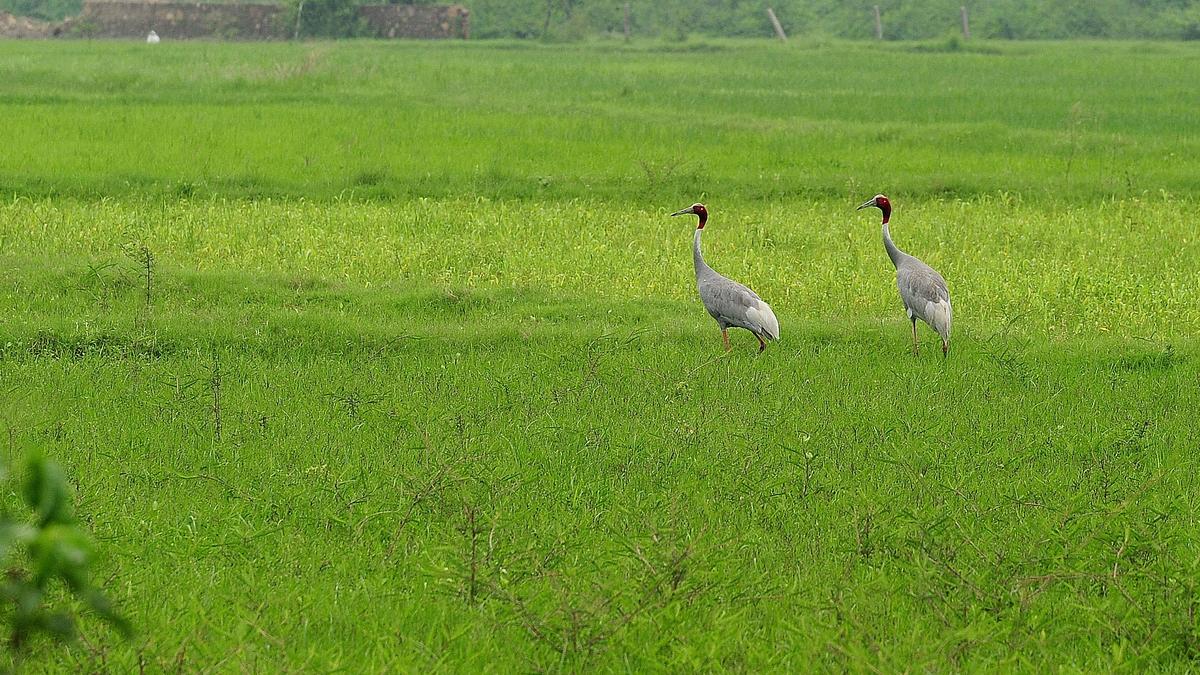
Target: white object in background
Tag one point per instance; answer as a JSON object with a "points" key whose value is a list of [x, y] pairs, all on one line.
{"points": [[152, 38]]}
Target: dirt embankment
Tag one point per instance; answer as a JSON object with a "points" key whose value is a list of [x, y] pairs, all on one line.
{"points": [[245, 21], [24, 27]]}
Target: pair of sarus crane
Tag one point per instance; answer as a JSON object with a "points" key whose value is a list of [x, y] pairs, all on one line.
{"points": [[733, 305]]}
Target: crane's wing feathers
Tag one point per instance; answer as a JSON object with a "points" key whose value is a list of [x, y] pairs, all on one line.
{"points": [[925, 295], [733, 304], [920, 282]]}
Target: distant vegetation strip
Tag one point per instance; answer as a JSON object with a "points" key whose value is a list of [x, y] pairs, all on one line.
{"points": [[565, 20], [600, 121]]}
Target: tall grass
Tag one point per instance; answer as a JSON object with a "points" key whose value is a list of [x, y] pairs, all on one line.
{"points": [[1076, 122], [386, 357]]}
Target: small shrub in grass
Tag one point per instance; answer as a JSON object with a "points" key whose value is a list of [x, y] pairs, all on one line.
{"points": [[326, 19], [40, 553]]}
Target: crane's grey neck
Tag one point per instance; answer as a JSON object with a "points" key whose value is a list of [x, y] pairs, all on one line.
{"points": [[894, 253], [697, 257]]}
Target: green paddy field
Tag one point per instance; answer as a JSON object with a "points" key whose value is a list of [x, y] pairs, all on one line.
{"points": [[372, 356]]}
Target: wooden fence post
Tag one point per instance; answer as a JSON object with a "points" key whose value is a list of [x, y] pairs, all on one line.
{"points": [[878, 24], [466, 24], [627, 22], [299, 11], [775, 23], [966, 24]]}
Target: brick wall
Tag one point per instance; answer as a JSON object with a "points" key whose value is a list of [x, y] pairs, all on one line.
{"points": [[181, 20], [184, 20]]}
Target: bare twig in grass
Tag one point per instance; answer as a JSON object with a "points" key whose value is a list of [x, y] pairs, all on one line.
{"points": [[1000, 350], [98, 653], [444, 476], [225, 484], [1043, 581], [671, 574], [862, 537], [528, 620], [472, 533], [858, 631], [945, 564], [807, 462], [854, 657], [144, 258], [583, 621], [215, 384], [253, 623], [353, 402]]}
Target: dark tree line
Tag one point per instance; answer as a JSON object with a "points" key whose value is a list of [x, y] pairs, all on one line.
{"points": [[902, 19]]}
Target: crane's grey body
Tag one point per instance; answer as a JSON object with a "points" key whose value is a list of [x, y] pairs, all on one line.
{"points": [[731, 304], [922, 289]]}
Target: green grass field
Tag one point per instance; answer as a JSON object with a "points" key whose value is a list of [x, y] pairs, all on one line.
{"points": [[420, 380]]}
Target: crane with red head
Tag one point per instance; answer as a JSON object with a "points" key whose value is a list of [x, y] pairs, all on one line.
{"points": [[729, 303], [922, 289]]}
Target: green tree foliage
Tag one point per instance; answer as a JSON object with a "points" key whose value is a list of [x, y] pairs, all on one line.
{"points": [[47, 10], [41, 552], [327, 18], [902, 19]]}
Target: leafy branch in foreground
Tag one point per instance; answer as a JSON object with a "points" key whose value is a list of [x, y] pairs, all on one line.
{"points": [[37, 554]]}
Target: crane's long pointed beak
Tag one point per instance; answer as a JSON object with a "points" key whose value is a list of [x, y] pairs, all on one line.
{"points": [[869, 202], [684, 212]]}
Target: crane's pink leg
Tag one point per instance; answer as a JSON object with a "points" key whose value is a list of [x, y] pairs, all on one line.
{"points": [[725, 338], [762, 345], [914, 323]]}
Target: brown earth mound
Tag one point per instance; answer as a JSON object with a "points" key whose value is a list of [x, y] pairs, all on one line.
{"points": [[244, 21], [24, 27]]}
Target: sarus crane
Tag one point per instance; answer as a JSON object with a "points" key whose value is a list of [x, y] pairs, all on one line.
{"points": [[922, 289], [730, 303]]}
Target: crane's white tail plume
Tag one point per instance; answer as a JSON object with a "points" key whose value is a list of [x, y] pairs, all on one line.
{"points": [[765, 319], [940, 316]]}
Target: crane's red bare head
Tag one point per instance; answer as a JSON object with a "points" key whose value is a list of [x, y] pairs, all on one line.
{"points": [[697, 209], [880, 202]]}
